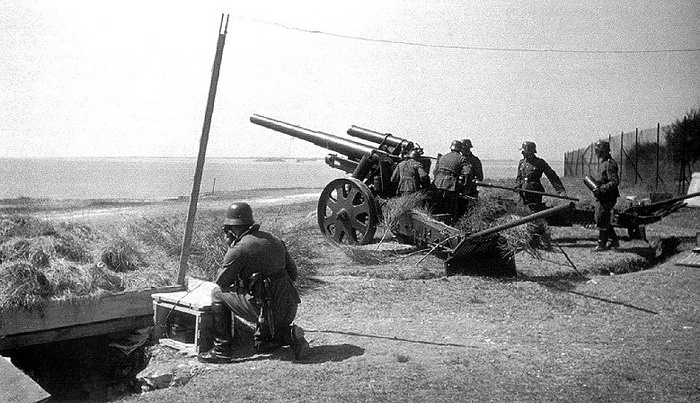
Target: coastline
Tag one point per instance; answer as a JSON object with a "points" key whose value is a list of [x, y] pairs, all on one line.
{"points": [[54, 208]]}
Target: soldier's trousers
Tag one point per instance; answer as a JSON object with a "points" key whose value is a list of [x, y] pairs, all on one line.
{"points": [[242, 307]]}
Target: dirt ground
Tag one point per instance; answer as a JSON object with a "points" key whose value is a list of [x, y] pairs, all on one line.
{"points": [[386, 325]]}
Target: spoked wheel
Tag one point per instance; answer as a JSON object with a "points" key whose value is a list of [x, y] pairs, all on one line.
{"points": [[347, 212]]}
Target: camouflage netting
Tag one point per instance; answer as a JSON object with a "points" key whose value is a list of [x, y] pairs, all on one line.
{"points": [[490, 211], [41, 261]]}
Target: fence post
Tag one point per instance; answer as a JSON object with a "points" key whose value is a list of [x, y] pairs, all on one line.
{"points": [[658, 129], [622, 150], [636, 154]]}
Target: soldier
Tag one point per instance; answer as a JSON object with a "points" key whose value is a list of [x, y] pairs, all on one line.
{"points": [[451, 170], [410, 173], [476, 170], [530, 170], [606, 195], [256, 284]]}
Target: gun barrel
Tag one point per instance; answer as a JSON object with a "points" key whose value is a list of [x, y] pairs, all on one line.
{"points": [[385, 141], [491, 185], [673, 200], [352, 149]]}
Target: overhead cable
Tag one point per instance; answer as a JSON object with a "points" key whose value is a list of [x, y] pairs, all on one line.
{"points": [[465, 47]]}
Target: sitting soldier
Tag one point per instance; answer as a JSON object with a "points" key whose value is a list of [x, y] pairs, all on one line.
{"points": [[257, 285]]}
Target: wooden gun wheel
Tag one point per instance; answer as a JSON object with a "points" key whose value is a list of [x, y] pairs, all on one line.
{"points": [[348, 212]]}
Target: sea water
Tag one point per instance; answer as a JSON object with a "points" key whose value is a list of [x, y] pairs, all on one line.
{"points": [[161, 178]]}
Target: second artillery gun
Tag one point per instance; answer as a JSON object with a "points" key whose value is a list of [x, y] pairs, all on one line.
{"points": [[349, 208]]}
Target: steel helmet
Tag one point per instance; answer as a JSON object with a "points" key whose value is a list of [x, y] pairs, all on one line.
{"points": [[415, 153], [601, 146], [456, 146], [466, 143], [529, 147], [239, 213]]}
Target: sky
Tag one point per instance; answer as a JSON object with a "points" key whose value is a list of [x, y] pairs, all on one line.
{"points": [[131, 78]]}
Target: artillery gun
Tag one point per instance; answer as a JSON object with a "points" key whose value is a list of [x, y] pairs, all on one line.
{"points": [[634, 218], [349, 209]]}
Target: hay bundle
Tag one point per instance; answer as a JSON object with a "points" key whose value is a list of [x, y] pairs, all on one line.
{"points": [[122, 255], [22, 284], [397, 206], [488, 212], [24, 226], [70, 280], [37, 251], [42, 261]]}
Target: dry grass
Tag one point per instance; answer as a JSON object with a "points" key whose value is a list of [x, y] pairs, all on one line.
{"points": [[44, 261], [493, 209]]}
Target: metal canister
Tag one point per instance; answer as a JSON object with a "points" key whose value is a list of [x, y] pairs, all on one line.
{"points": [[591, 183]]}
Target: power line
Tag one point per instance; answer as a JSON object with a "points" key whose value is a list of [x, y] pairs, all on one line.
{"points": [[463, 47]]}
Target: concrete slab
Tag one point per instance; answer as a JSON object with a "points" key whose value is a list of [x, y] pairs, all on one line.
{"points": [[16, 386]]}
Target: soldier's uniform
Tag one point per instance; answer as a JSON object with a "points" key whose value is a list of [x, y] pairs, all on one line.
{"points": [[260, 252], [475, 172], [256, 284], [450, 171], [606, 197], [411, 176], [529, 177]]}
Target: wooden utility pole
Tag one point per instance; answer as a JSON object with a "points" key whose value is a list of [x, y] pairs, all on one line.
{"points": [[185, 254]]}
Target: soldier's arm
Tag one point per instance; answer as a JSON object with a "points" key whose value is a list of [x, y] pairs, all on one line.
{"points": [[423, 177], [613, 173], [553, 177], [289, 265], [395, 175], [230, 268], [437, 163], [519, 176], [478, 170]]}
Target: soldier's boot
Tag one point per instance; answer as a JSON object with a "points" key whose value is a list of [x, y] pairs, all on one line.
{"points": [[266, 346], [613, 240], [222, 352], [602, 242], [297, 342]]}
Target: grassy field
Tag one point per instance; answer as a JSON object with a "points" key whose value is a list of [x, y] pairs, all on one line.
{"points": [[385, 324]]}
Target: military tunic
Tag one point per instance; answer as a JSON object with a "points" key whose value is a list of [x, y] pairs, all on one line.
{"points": [[607, 194], [448, 170], [529, 177], [475, 172], [410, 175]]}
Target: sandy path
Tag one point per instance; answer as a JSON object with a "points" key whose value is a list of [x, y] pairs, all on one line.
{"points": [[176, 206]]}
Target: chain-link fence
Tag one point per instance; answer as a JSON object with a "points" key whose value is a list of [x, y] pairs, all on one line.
{"points": [[643, 158]]}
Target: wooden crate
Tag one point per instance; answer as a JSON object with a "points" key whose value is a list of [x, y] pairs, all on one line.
{"points": [[195, 301]]}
